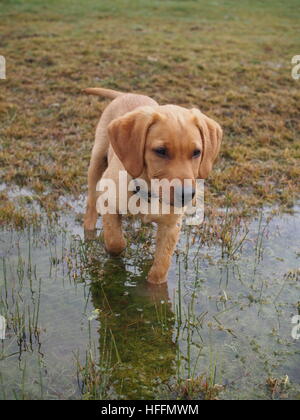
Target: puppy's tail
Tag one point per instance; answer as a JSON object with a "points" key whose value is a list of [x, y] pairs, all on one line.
{"points": [[107, 93]]}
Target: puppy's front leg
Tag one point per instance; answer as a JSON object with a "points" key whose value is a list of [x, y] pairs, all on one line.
{"points": [[97, 166], [166, 240], [114, 239]]}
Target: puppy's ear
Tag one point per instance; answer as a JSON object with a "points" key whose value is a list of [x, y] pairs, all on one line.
{"points": [[211, 134], [127, 136]]}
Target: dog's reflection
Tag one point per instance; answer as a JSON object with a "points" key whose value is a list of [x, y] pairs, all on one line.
{"points": [[136, 329]]}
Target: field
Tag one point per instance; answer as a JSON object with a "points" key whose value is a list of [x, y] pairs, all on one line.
{"points": [[222, 328]]}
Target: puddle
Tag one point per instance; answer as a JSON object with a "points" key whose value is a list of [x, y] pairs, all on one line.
{"points": [[82, 324]]}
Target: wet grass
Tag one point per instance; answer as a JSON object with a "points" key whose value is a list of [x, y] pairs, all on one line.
{"points": [[231, 60]]}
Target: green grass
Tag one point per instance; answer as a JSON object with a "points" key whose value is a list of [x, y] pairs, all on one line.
{"points": [[231, 59]]}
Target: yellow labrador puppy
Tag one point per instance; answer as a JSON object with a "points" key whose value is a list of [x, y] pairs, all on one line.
{"points": [[149, 141]]}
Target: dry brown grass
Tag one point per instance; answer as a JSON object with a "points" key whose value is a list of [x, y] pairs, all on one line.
{"points": [[233, 62]]}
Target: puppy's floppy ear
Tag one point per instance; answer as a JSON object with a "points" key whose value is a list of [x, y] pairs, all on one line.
{"points": [[128, 134], [211, 134]]}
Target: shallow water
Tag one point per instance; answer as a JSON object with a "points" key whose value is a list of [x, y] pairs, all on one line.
{"points": [[80, 322]]}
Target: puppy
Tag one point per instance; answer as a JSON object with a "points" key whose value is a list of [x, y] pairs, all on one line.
{"points": [[149, 141]]}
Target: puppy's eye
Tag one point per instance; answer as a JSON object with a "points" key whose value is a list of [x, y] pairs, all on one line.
{"points": [[161, 151], [196, 153]]}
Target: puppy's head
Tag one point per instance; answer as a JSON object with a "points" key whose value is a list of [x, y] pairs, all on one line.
{"points": [[166, 142]]}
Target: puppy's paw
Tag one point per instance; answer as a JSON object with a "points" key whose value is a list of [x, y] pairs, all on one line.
{"points": [[90, 235], [115, 247], [156, 277], [90, 220]]}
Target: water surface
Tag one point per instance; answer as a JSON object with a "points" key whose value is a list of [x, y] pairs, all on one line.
{"points": [[81, 324]]}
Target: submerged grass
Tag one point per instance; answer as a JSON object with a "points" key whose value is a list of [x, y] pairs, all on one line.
{"points": [[83, 325]]}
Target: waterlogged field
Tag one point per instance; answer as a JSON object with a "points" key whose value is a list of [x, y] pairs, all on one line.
{"points": [[83, 325]]}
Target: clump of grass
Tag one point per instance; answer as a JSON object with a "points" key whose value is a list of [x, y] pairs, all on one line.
{"points": [[94, 378], [234, 232], [16, 216], [200, 388], [21, 313], [278, 387]]}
